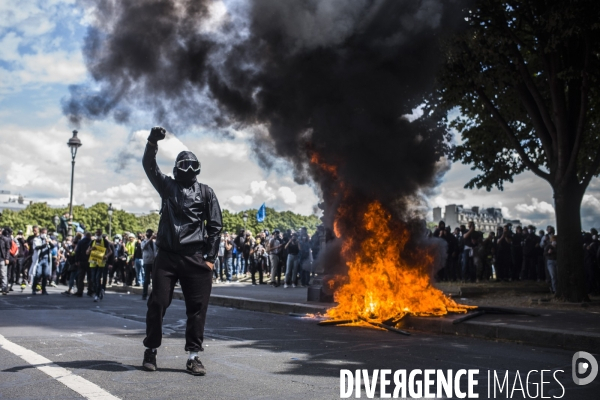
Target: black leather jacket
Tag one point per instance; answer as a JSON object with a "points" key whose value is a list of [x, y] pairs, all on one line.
{"points": [[182, 227]]}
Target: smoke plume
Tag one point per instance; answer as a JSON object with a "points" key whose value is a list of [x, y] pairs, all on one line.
{"points": [[327, 79]]}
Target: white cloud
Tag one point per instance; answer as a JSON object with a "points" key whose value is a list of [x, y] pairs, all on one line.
{"points": [[287, 195], [535, 210]]}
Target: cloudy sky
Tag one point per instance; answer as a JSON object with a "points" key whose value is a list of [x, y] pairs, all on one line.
{"points": [[40, 56]]}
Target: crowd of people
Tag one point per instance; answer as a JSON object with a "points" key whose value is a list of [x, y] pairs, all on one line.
{"points": [[42, 260], [290, 254], [507, 255]]}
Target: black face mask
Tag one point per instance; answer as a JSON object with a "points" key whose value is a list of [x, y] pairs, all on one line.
{"points": [[186, 177]]}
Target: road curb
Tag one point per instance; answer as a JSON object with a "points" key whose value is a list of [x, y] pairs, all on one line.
{"points": [[243, 303], [505, 332], [438, 325]]}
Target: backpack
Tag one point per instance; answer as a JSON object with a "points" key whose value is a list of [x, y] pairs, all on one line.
{"points": [[14, 249]]}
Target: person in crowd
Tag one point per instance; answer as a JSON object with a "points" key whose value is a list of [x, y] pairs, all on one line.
{"points": [[240, 263], [293, 259], [130, 251], [503, 254], [12, 258], [274, 249], [21, 275], [219, 270], [485, 254], [543, 242], [259, 262], [550, 255], [149, 251], [61, 260], [138, 260], [540, 263], [72, 262], [516, 248], [82, 258], [98, 265], [5, 245], [63, 225], [110, 262], [120, 262], [247, 251], [228, 257], [471, 240], [530, 256], [305, 262], [41, 265], [54, 254]]}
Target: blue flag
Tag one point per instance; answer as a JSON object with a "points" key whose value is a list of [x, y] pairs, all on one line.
{"points": [[262, 213]]}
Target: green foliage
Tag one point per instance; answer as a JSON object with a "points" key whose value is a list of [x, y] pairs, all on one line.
{"points": [[525, 77], [96, 216], [93, 218], [233, 222]]}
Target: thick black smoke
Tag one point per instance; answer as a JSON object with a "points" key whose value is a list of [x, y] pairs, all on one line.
{"points": [[332, 78]]}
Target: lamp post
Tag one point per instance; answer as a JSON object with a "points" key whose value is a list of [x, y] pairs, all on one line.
{"points": [[74, 143], [110, 213], [245, 218], [55, 220]]}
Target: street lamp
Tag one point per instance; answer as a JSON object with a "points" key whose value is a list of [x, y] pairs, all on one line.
{"points": [[245, 218], [110, 212], [74, 143], [56, 220]]}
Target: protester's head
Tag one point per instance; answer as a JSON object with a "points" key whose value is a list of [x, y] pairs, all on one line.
{"points": [[541, 232], [550, 229], [36, 230], [20, 233], [187, 168], [131, 237], [519, 229], [149, 233], [594, 232], [43, 232], [98, 233], [88, 235], [491, 235], [441, 225]]}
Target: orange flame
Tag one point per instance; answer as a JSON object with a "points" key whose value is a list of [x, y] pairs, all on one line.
{"points": [[381, 285]]}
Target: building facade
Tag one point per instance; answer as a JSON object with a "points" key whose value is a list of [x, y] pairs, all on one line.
{"points": [[485, 219]]}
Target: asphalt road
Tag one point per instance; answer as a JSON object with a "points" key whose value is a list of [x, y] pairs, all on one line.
{"points": [[248, 355]]}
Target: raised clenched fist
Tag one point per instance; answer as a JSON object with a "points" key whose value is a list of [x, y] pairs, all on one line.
{"points": [[157, 133]]}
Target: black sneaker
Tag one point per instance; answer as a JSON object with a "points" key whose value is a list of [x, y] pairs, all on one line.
{"points": [[195, 367], [149, 363]]}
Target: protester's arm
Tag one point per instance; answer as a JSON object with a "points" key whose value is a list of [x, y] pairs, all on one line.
{"points": [[214, 225], [156, 177]]}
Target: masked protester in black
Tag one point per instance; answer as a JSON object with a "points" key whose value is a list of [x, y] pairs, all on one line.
{"points": [[188, 242]]}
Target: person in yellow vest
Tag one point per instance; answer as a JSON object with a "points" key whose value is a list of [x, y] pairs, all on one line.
{"points": [[99, 251], [130, 250]]}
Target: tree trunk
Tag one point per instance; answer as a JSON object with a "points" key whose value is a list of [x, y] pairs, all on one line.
{"points": [[571, 277]]}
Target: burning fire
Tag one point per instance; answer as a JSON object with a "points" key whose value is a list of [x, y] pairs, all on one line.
{"points": [[382, 286]]}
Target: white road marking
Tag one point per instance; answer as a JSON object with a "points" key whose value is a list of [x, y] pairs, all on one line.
{"points": [[74, 382]]}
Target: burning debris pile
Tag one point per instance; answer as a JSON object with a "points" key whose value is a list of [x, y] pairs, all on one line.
{"points": [[330, 87]]}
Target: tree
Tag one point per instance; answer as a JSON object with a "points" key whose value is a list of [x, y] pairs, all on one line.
{"points": [[233, 222], [93, 217], [525, 79]]}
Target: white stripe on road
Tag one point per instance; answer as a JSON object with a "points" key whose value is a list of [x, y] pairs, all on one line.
{"points": [[82, 386]]}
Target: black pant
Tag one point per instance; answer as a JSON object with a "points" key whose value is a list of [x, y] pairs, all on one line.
{"points": [[257, 266], [195, 277], [82, 271], [147, 277]]}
